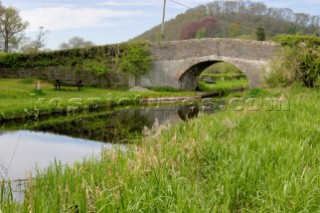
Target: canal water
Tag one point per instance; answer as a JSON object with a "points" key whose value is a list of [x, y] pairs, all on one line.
{"points": [[31, 144]]}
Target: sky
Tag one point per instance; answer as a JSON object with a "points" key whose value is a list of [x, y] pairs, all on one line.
{"points": [[113, 21]]}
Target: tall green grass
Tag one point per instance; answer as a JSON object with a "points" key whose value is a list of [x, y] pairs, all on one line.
{"points": [[7, 202], [233, 161]]}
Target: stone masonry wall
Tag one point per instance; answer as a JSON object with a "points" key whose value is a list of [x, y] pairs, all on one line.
{"points": [[233, 48], [113, 80]]}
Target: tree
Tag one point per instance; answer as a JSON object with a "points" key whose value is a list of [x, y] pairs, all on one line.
{"points": [[190, 31], [230, 6], [201, 33], [261, 36], [36, 45], [258, 8], [233, 30], [76, 42], [11, 27], [39, 43]]}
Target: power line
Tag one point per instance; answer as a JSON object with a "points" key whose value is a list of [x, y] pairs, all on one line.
{"points": [[223, 19], [13, 154]]}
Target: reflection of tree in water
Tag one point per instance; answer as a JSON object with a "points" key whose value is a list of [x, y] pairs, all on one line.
{"points": [[114, 127], [127, 126], [188, 111]]}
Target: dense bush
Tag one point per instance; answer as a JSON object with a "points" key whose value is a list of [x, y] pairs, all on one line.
{"points": [[261, 36], [299, 62], [133, 58], [136, 58], [294, 40]]}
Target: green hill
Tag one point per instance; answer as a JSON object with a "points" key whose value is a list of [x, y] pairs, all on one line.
{"points": [[234, 19]]}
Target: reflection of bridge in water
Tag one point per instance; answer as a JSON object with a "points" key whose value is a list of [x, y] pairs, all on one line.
{"points": [[179, 63], [111, 126], [118, 126]]}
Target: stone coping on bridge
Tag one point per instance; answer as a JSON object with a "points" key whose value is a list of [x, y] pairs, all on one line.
{"points": [[235, 48]]}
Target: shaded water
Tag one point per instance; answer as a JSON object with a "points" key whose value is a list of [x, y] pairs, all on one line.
{"points": [[30, 144]]}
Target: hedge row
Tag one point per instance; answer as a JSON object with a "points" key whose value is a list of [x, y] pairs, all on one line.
{"points": [[224, 77], [127, 57]]}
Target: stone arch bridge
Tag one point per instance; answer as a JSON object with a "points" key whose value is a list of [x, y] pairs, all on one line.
{"points": [[178, 64]]}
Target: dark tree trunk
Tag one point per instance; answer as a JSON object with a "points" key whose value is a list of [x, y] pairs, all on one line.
{"points": [[6, 44]]}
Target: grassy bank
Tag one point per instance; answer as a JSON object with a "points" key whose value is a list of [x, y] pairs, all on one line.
{"points": [[223, 85], [233, 161], [18, 98]]}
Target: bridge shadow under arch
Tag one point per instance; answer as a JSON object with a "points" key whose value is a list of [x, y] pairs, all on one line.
{"points": [[189, 79]]}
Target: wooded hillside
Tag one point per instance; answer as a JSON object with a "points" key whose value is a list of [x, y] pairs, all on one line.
{"points": [[234, 19]]}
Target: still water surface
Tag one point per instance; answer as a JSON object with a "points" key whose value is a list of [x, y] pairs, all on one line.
{"points": [[33, 149], [28, 145]]}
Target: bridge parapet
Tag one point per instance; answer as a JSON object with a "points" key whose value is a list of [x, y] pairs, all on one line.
{"points": [[235, 48], [179, 63]]}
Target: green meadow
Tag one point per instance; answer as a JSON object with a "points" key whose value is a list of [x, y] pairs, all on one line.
{"points": [[226, 77], [19, 99], [223, 85]]}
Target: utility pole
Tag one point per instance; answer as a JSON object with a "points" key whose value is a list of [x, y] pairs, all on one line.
{"points": [[163, 16]]}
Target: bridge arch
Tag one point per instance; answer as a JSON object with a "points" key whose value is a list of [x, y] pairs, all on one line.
{"points": [[188, 79], [179, 63]]}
